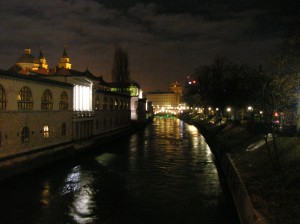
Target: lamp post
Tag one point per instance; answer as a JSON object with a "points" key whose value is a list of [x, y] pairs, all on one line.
{"points": [[219, 115], [261, 115], [227, 114], [250, 110]]}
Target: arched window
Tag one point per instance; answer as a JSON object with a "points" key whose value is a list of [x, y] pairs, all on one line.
{"points": [[97, 103], [46, 131], [2, 99], [25, 99], [116, 104], [63, 101], [64, 129], [25, 135], [105, 103], [47, 101]]}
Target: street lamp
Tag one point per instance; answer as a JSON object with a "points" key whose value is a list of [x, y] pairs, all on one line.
{"points": [[228, 111], [250, 109]]}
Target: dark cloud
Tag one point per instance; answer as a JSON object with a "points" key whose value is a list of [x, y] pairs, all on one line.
{"points": [[166, 40]]}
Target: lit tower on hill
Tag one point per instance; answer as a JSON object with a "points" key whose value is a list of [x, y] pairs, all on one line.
{"points": [[42, 60], [65, 60]]}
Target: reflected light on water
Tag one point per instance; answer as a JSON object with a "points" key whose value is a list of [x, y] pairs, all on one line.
{"points": [[45, 195], [194, 132], [79, 186], [192, 129], [81, 208], [72, 182], [205, 146], [106, 159]]}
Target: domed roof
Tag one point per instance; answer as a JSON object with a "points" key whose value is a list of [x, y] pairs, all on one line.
{"points": [[27, 58]]}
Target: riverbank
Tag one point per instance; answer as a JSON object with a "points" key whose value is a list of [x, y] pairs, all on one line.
{"points": [[274, 193]]}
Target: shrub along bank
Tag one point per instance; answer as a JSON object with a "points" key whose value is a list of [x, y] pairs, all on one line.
{"points": [[274, 191]]}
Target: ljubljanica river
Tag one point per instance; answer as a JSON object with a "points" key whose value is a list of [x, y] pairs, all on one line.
{"points": [[163, 174]]}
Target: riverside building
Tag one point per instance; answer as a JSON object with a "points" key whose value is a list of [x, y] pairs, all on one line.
{"points": [[47, 113]]}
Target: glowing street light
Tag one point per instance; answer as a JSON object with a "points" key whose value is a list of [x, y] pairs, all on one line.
{"points": [[251, 118], [228, 111]]}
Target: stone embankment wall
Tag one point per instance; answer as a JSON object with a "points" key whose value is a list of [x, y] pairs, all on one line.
{"points": [[247, 213], [36, 158]]}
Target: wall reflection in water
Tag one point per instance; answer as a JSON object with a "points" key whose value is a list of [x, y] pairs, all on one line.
{"points": [[162, 174]]}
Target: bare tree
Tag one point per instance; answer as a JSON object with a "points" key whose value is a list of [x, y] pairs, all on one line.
{"points": [[120, 70], [281, 91]]}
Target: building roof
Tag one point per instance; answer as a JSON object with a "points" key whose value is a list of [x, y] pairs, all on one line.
{"points": [[65, 54], [27, 58], [35, 78]]}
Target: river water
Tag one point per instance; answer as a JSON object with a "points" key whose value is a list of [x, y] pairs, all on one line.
{"points": [[163, 174]]}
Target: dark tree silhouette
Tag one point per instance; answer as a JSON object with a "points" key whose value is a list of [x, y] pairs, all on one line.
{"points": [[120, 70]]}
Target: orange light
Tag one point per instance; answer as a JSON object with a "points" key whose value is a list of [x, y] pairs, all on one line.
{"points": [[276, 114]]}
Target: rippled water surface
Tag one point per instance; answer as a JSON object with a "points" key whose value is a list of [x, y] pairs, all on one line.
{"points": [[162, 174]]}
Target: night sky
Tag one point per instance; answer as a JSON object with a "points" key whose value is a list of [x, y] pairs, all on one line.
{"points": [[165, 40]]}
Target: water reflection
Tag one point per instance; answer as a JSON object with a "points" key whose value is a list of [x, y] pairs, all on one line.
{"points": [[72, 182], [163, 174], [81, 208], [45, 195]]}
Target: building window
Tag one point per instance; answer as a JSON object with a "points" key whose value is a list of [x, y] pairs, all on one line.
{"points": [[2, 99], [25, 99], [116, 104], [47, 102], [25, 135], [64, 129], [97, 103], [82, 98], [63, 101], [111, 104], [105, 104], [46, 131]]}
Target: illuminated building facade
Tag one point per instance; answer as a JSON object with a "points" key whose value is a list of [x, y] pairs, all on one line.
{"points": [[34, 113], [55, 111], [65, 60], [138, 105], [164, 101]]}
